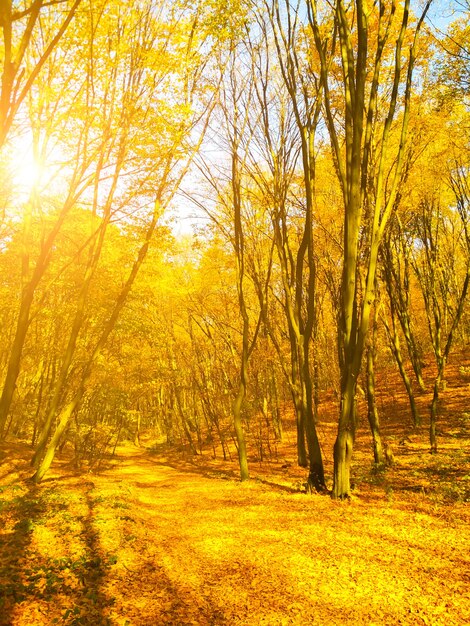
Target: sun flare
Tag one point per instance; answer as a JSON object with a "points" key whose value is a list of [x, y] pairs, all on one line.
{"points": [[26, 169]]}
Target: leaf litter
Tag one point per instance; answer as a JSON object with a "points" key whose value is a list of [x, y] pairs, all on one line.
{"points": [[157, 537]]}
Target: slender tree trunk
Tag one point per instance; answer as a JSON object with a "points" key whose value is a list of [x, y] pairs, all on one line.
{"points": [[299, 289], [51, 448], [239, 432], [316, 476], [433, 420], [300, 427], [343, 448], [438, 382], [277, 420], [221, 438], [13, 369], [372, 412], [413, 353], [238, 125], [394, 340], [182, 410], [137, 430]]}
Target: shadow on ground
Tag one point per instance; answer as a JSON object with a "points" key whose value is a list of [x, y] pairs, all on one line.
{"points": [[70, 586]]}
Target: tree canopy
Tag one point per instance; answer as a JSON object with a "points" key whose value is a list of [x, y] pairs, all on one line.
{"points": [[320, 152]]}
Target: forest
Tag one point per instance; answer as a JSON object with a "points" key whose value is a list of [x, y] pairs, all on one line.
{"points": [[234, 312]]}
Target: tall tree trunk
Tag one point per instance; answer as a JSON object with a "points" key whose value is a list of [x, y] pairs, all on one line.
{"points": [[394, 341], [361, 152], [276, 410], [137, 429], [413, 353], [316, 476], [300, 427], [433, 417], [239, 241], [239, 431], [372, 412], [298, 276], [343, 447], [50, 450]]}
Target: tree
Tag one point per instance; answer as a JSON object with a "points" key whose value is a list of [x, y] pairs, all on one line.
{"points": [[33, 268], [236, 100], [118, 165], [18, 77], [396, 274], [444, 245], [287, 120], [361, 140], [454, 59]]}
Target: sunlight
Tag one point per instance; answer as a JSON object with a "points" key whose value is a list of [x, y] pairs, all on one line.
{"points": [[26, 169]]}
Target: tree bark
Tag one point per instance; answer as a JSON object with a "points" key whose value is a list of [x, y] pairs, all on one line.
{"points": [[239, 431], [372, 412], [361, 150], [394, 341]]}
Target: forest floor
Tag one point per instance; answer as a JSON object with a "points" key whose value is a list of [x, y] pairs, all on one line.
{"points": [[155, 537]]}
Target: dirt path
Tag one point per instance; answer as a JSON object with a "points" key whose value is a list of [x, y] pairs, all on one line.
{"points": [[143, 543]]}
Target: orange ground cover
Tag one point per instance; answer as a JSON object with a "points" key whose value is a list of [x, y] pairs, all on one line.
{"points": [[157, 537]]}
